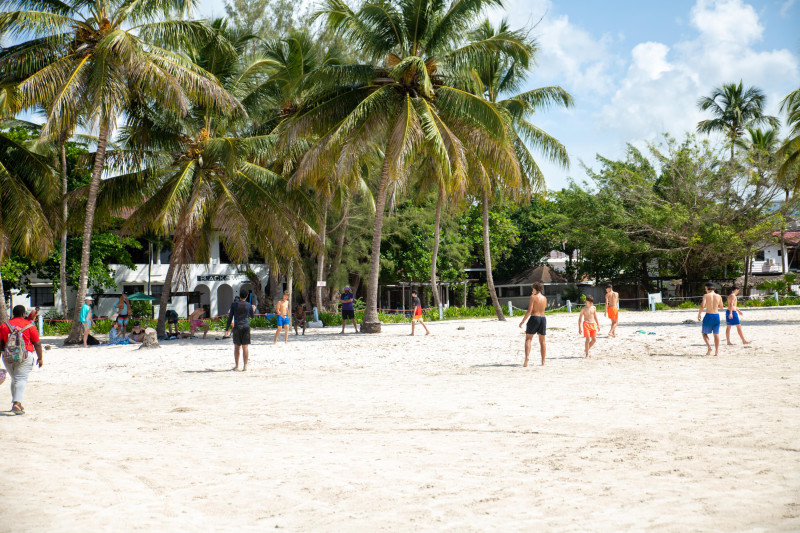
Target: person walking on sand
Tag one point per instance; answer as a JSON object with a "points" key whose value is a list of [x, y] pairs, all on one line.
{"points": [[612, 309], [300, 319], [240, 314], [196, 321], [588, 319], [712, 303], [348, 311], [123, 313], [732, 317], [284, 322], [417, 315], [537, 325], [86, 318], [18, 340]]}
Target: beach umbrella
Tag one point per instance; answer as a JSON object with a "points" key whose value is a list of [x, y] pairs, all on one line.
{"points": [[138, 296]]}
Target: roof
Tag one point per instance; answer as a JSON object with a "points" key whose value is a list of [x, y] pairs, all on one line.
{"points": [[790, 237], [542, 273]]}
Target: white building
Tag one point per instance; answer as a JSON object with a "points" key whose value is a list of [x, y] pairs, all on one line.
{"points": [[771, 259], [213, 286]]}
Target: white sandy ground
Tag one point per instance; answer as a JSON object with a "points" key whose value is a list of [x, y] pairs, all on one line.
{"points": [[390, 433]]}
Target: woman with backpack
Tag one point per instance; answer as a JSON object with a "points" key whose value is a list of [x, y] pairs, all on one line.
{"points": [[18, 340]]}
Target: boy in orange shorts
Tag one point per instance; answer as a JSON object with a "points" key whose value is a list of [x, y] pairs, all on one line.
{"points": [[612, 309], [588, 319]]}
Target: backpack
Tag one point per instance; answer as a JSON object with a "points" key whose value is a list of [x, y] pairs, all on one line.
{"points": [[14, 351]]}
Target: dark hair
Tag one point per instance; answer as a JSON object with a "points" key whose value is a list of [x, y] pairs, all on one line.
{"points": [[136, 323], [18, 311], [413, 292], [609, 286], [710, 285], [538, 286], [589, 298]]}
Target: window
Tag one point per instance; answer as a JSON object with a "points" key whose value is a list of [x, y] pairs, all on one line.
{"points": [[155, 292], [42, 297], [760, 255], [130, 289], [780, 253], [223, 255]]}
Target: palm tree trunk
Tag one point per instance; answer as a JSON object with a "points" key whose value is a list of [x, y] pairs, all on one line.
{"points": [[746, 288], [3, 308], [371, 324], [76, 333], [337, 259], [487, 255], [62, 266], [437, 300], [166, 291], [323, 234], [784, 260], [289, 283]]}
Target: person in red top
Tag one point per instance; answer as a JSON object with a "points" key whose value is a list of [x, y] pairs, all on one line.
{"points": [[20, 371], [33, 314]]}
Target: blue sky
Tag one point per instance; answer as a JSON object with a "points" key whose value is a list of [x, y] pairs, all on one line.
{"points": [[636, 69]]}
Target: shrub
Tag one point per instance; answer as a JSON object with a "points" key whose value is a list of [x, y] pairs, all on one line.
{"points": [[688, 304], [573, 294], [141, 309], [480, 293], [660, 306]]}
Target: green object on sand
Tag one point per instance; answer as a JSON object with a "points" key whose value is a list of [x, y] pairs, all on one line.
{"points": [[640, 331]]}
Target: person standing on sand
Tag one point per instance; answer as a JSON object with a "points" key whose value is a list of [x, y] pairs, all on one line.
{"points": [[196, 321], [588, 319], [240, 314], [19, 329], [86, 319], [732, 317], [712, 303], [282, 310], [417, 316], [537, 325], [348, 311], [612, 309], [123, 313]]}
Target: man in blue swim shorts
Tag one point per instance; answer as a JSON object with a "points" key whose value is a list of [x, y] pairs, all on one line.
{"points": [[712, 303], [732, 317], [282, 312]]}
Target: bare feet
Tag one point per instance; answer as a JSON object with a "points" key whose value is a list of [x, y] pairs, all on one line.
{"points": [[747, 342], [427, 333], [244, 368], [730, 343], [234, 369], [526, 362], [709, 351]]}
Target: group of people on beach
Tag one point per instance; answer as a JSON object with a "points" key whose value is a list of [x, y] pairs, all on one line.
{"points": [[589, 325]]}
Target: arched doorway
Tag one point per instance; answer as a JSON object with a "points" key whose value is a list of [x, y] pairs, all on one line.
{"points": [[244, 291], [201, 295], [224, 299]]}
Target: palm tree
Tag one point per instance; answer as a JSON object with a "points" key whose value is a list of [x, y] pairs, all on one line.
{"points": [[734, 109], [402, 103], [497, 76], [28, 186], [85, 61], [789, 170]]}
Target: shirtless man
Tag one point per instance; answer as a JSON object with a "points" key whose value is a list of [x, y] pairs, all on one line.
{"points": [[612, 309], [712, 303], [282, 310], [732, 317], [537, 325], [196, 321], [588, 319]]}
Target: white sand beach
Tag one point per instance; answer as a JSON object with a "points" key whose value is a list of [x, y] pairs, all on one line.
{"points": [[392, 433]]}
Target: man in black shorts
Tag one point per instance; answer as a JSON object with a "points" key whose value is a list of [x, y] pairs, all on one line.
{"points": [[537, 325], [172, 320], [348, 311], [240, 314]]}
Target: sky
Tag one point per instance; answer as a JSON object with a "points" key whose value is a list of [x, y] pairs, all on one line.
{"points": [[636, 69]]}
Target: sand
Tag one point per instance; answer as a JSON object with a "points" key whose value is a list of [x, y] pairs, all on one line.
{"points": [[392, 433]]}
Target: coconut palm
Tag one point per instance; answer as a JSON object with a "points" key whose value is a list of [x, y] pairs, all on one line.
{"points": [[401, 103], [28, 185], [735, 109], [83, 61], [497, 77], [789, 170]]}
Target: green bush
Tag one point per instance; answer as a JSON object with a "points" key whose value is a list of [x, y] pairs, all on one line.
{"points": [[688, 304], [480, 293], [661, 306], [141, 309], [573, 294]]}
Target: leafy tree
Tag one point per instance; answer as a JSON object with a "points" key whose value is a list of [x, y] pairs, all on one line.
{"points": [[536, 238], [789, 153], [734, 109]]}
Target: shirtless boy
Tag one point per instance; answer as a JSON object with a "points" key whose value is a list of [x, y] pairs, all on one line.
{"points": [[612, 309], [537, 325], [588, 319], [196, 321], [712, 303], [282, 310], [732, 317]]}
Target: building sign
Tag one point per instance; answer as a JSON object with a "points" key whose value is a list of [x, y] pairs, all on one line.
{"points": [[221, 277], [322, 283]]}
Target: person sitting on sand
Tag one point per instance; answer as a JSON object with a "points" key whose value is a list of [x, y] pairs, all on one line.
{"points": [[116, 336], [588, 319], [712, 303], [137, 332], [196, 321], [417, 316], [612, 309], [299, 316], [537, 325], [732, 317]]}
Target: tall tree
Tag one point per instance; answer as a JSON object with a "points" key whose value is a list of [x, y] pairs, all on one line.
{"points": [[402, 102], [789, 153], [734, 109], [85, 61]]}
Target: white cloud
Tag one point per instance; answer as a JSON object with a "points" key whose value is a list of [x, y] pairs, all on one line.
{"points": [[662, 84], [787, 5]]}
